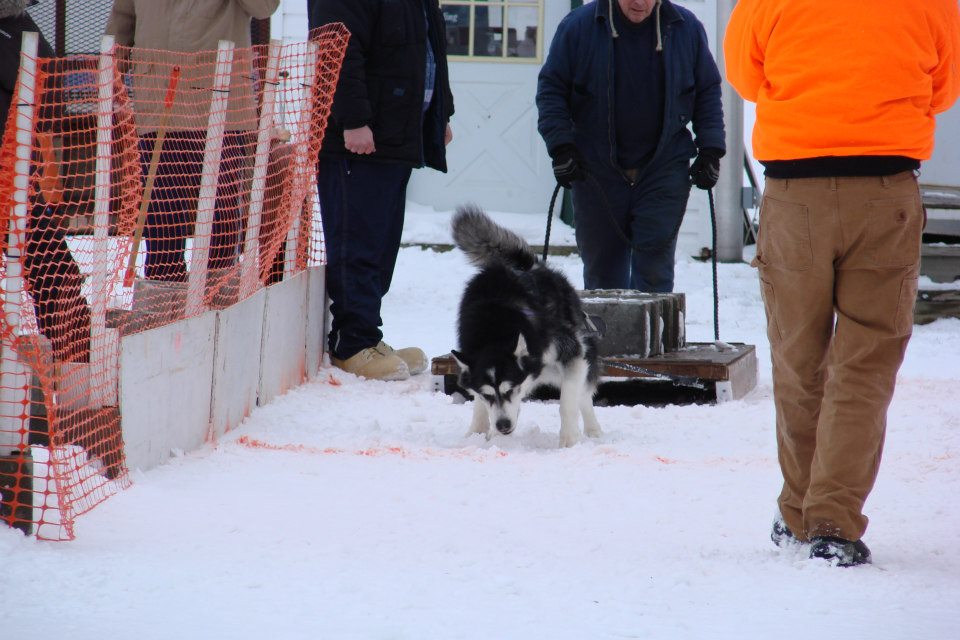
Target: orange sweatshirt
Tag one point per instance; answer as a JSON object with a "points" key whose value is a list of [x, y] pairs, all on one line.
{"points": [[844, 78]]}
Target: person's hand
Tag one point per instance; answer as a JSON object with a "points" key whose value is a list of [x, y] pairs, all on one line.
{"points": [[567, 165], [705, 170], [447, 135], [359, 141]]}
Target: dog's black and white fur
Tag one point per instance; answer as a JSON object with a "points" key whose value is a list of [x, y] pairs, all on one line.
{"points": [[520, 325]]}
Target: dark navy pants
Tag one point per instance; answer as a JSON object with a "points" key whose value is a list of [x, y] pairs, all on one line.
{"points": [[649, 213], [172, 211], [362, 207]]}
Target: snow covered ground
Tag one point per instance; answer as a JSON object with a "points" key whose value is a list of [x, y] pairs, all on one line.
{"points": [[358, 509]]}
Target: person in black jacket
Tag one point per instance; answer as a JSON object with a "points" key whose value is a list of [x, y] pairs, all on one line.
{"points": [[390, 114], [51, 273]]}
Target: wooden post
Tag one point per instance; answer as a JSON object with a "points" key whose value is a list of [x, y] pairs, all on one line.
{"points": [[310, 90], [207, 200], [13, 374], [103, 343], [249, 274]]}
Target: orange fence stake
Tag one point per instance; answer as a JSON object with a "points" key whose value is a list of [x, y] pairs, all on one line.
{"points": [[50, 184]]}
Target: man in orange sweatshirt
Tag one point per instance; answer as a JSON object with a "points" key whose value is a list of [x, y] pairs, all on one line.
{"points": [[846, 96]]}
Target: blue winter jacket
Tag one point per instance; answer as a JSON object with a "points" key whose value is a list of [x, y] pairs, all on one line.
{"points": [[576, 90]]}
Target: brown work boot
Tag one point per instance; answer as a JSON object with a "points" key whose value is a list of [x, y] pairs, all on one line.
{"points": [[374, 364], [415, 358]]}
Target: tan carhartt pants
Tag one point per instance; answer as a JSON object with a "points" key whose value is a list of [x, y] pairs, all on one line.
{"points": [[838, 261]]}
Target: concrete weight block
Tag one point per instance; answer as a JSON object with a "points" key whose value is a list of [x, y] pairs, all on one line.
{"points": [[637, 324]]}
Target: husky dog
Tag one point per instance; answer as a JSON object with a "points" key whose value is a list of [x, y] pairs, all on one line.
{"points": [[520, 325]]}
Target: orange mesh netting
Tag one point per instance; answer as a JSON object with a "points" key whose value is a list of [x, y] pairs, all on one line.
{"points": [[138, 187]]}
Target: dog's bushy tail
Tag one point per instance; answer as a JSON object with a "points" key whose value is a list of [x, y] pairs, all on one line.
{"points": [[485, 242]]}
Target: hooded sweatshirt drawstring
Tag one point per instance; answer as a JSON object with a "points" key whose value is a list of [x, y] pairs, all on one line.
{"points": [[613, 27], [659, 37]]}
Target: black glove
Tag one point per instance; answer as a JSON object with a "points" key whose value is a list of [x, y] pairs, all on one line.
{"points": [[705, 170], [567, 165]]}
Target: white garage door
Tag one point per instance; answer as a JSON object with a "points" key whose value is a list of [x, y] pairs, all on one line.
{"points": [[497, 158]]}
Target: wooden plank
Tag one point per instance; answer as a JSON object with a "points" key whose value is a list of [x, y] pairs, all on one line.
{"points": [[316, 319], [166, 379], [698, 359], [701, 360], [236, 366], [714, 375], [941, 197], [940, 262], [741, 378], [932, 305], [283, 351]]}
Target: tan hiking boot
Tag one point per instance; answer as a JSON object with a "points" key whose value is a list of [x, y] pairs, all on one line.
{"points": [[374, 364], [415, 358]]}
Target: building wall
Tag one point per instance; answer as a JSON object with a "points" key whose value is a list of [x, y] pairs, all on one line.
{"points": [[289, 23], [942, 169]]}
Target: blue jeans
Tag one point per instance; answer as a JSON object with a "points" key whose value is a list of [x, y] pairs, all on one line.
{"points": [[362, 207], [649, 213]]}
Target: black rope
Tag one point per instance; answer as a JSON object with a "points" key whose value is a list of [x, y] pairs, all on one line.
{"points": [[713, 261], [546, 239]]}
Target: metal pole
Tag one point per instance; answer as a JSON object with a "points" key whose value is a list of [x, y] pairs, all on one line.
{"points": [[729, 189], [60, 31]]}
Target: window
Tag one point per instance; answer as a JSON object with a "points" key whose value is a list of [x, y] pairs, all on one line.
{"points": [[488, 30]]}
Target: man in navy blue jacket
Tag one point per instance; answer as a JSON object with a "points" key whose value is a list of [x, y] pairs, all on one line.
{"points": [[622, 81]]}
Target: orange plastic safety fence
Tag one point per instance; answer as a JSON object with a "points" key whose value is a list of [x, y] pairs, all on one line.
{"points": [[153, 186]]}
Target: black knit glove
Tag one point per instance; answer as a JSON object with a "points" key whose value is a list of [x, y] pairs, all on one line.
{"points": [[567, 165], [705, 170]]}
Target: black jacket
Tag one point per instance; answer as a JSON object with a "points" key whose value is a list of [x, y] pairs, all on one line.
{"points": [[382, 80]]}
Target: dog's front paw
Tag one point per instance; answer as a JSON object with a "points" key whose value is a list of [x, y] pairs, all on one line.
{"points": [[569, 438], [480, 423], [593, 430], [483, 428]]}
